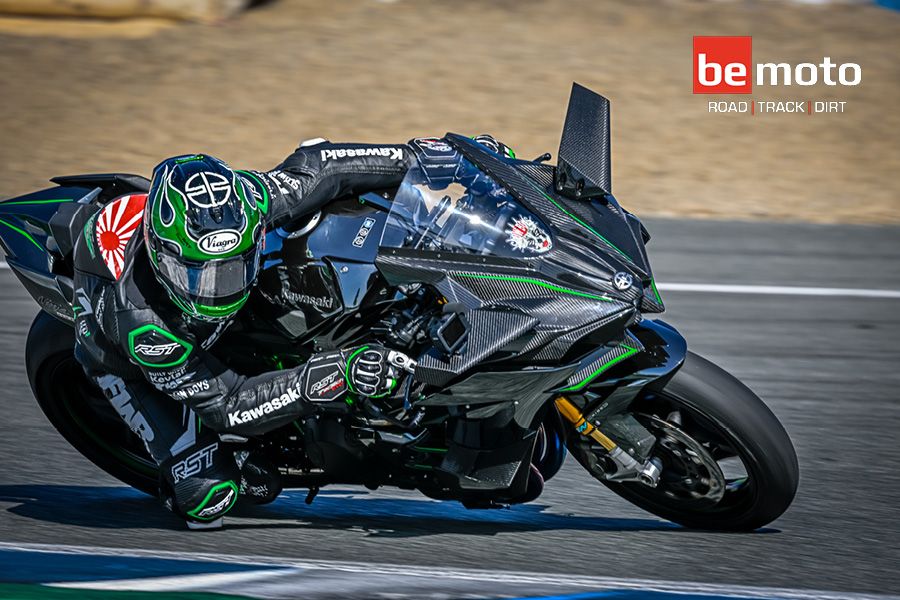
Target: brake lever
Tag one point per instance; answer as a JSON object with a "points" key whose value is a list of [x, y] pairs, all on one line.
{"points": [[401, 361]]}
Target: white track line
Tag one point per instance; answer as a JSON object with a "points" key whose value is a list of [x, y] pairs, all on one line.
{"points": [[777, 290], [177, 582], [771, 290], [477, 575]]}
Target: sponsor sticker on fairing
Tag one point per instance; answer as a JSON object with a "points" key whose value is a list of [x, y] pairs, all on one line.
{"points": [[363, 232], [525, 235]]}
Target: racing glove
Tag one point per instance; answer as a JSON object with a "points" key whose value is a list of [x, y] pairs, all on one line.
{"points": [[374, 371], [495, 145]]}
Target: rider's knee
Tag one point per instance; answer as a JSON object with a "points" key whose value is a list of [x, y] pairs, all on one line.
{"points": [[203, 500], [201, 483]]}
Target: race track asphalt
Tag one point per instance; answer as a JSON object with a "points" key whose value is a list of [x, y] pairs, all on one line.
{"points": [[829, 367]]}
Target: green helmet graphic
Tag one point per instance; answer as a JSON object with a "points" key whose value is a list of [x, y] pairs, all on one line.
{"points": [[204, 233]]}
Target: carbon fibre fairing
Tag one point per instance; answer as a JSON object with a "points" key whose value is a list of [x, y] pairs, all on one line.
{"points": [[534, 305]]}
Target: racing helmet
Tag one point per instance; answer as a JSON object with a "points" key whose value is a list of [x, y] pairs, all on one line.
{"points": [[204, 233]]}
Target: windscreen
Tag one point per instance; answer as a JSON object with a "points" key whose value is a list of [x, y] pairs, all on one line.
{"points": [[465, 212]]}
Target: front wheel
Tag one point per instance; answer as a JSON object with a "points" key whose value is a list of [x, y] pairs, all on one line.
{"points": [[728, 464]]}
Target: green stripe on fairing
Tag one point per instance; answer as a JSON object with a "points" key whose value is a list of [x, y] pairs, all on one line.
{"points": [[577, 220], [655, 291], [48, 201], [613, 361], [536, 282], [20, 591], [23, 232]]}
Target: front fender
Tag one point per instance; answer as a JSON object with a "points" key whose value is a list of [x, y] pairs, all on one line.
{"points": [[664, 351], [610, 378]]}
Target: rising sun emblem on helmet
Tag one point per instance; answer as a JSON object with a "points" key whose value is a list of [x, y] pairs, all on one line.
{"points": [[525, 235]]}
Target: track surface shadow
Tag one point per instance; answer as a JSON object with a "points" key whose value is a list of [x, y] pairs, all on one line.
{"points": [[124, 508]]}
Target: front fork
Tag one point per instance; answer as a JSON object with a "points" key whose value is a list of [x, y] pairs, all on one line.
{"points": [[658, 354], [627, 468]]}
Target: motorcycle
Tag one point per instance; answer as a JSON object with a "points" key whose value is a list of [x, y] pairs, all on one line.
{"points": [[521, 289]]}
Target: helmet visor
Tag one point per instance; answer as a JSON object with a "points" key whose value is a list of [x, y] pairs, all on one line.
{"points": [[215, 282]]}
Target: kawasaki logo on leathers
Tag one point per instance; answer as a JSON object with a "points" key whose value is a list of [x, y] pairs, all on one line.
{"points": [[239, 417], [394, 153]]}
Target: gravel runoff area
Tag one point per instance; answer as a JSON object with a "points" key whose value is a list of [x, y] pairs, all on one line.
{"points": [[118, 96]]}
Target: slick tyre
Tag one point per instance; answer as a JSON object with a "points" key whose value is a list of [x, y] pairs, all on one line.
{"points": [[78, 409], [733, 426]]}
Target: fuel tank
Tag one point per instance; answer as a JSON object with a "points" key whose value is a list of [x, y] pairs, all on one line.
{"points": [[322, 271]]}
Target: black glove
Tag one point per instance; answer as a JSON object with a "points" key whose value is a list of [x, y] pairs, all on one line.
{"points": [[374, 371], [494, 145]]}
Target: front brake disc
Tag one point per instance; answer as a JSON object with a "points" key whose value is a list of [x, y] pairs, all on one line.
{"points": [[699, 477]]}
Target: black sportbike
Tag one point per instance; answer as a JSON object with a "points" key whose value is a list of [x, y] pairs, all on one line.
{"points": [[521, 290]]}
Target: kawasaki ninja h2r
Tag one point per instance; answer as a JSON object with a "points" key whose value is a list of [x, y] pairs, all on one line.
{"points": [[521, 289]]}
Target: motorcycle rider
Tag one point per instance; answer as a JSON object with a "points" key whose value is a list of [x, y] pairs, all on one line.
{"points": [[159, 277]]}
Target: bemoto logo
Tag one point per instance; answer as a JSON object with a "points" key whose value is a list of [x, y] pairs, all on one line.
{"points": [[724, 65]]}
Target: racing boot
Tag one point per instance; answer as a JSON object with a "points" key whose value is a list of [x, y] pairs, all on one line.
{"points": [[260, 479]]}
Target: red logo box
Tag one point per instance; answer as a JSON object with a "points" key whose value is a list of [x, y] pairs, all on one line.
{"points": [[723, 64]]}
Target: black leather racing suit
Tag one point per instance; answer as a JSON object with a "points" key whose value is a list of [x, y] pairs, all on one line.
{"points": [[144, 352]]}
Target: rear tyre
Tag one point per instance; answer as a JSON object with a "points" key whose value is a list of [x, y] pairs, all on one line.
{"points": [[78, 409], [719, 426]]}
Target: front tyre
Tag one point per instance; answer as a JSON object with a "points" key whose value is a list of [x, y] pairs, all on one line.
{"points": [[728, 464]]}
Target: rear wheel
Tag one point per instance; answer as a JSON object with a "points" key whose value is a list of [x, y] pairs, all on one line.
{"points": [[727, 462], [78, 409]]}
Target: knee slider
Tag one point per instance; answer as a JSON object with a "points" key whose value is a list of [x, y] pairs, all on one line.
{"points": [[204, 499], [202, 482]]}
